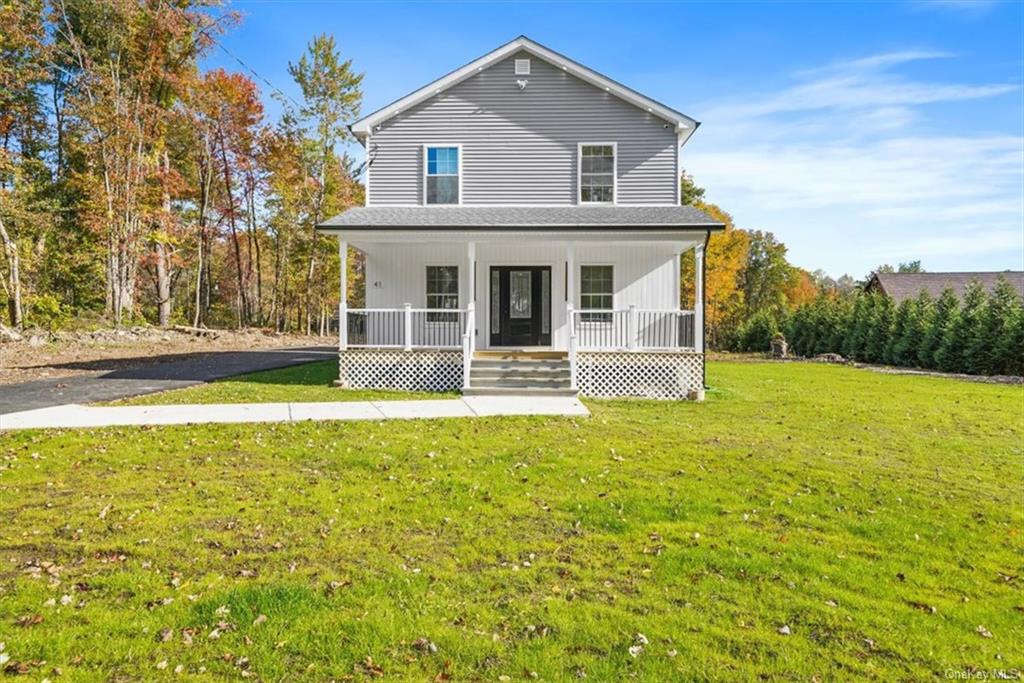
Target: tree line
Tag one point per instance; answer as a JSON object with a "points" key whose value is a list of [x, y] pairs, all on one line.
{"points": [[137, 186], [753, 295], [982, 335]]}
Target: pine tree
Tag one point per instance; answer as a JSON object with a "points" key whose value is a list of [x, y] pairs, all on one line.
{"points": [[961, 334], [797, 330], [856, 341], [894, 348], [840, 320], [939, 317], [988, 350], [1009, 348], [913, 331], [879, 329]]}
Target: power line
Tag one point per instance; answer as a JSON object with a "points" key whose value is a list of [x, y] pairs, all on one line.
{"points": [[238, 59]]}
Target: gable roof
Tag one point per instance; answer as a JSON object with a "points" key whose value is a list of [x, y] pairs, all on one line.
{"points": [[684, 125], [900, 286], [519, 217]]}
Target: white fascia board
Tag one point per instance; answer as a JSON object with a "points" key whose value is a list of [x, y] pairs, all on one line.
{"points": [[684, 125], [683, 239]]}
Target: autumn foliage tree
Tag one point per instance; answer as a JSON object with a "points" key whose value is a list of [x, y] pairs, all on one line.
{"points": [[134, 184]]}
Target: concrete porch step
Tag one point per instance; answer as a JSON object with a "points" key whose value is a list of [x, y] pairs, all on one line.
{"points": [[517, 391], [558, 383], [520, 355], [518, 373], [523, 365]]}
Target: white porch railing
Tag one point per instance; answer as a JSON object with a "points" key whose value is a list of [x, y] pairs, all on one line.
{"points": [[631, 329], [405, 328]]}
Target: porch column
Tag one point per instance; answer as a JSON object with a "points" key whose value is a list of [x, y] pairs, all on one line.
{"points": [[470, 301], [343, 295], [470, 274], [570, 304], [698, 297], [570, 275]]}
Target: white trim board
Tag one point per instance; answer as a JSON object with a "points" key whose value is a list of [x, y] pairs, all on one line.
{"points": [[684, 125]]}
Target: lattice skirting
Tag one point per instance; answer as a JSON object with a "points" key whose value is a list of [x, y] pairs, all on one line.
{"points": [[417, 370], [609, 374]]}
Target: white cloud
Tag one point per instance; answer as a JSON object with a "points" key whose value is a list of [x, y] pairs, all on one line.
{"points": [[847, 151]]}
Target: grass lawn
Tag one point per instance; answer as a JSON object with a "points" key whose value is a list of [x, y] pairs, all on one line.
{"points": [[306, 383], [806, 522]]}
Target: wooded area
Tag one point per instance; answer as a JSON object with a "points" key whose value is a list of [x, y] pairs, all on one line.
{"points": [[136, 187]]}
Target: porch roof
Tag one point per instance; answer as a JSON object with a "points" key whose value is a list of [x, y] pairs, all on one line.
{"points": [[520, 218]]}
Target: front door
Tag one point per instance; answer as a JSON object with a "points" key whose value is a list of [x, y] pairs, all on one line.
{"points": [[520, 306]]}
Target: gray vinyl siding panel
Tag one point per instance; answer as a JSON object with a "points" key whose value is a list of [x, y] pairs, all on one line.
{"points": [[520, 146]]}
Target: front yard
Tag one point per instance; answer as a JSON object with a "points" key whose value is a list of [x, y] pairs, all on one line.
{"points": [[806, 522]]}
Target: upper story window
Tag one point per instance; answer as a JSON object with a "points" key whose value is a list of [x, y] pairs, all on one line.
{"points": [[442, 181], [597, 173]]}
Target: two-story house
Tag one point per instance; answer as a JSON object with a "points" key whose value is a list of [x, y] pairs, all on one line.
{"points": [[522, 233]]}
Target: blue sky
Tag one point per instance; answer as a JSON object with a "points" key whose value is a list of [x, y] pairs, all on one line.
{"points": [[859, 133]]}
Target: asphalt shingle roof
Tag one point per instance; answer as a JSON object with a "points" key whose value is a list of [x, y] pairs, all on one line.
{"points": [[900, 286], [540, 217]]}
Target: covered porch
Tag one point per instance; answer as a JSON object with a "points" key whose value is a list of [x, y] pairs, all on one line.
{"points": [[605, 299]]}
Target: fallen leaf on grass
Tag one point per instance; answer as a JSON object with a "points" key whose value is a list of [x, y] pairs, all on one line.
{"points": [[424, 645], [259, 620], [922, 606], [984, 632], [368, 668], [165, 635], [29, 620], [784, 630]]}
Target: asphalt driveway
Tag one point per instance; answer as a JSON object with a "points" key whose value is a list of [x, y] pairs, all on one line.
{"points": [[163, 373]]}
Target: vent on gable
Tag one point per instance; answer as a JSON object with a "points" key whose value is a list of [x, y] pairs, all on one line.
{"points": [[522, 67]]}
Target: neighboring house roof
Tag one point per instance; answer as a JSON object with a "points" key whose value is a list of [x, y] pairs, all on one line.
{"points": [[900, 286], [542, 217], [684, 124]]}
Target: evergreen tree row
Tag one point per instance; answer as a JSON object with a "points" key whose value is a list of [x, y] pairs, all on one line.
{"points": [[981, 335]]}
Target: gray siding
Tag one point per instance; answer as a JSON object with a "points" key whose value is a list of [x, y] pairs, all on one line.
{"points": [[520, 146]]}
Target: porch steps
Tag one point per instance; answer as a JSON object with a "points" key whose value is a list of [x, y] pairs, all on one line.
{"points": [[503, 374]]}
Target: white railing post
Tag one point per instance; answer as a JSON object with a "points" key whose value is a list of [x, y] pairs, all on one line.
{"points": [[468, 343], [570, 315], [343, 326], [408, 327], [632, 328], [343, 296]]}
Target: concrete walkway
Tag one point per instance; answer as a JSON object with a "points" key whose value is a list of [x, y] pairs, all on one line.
{"points": [[158, 373], [76, 416]]}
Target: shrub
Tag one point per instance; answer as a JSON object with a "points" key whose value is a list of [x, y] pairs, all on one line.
{"points": [[756, 333]]}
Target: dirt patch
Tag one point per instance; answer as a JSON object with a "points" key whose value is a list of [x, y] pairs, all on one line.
{"points": [[41, 355]]}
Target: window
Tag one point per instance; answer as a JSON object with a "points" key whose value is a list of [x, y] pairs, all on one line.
{"points": [[442, 177], [597, 173], [442, 292], [596, 292], [522, 67]]}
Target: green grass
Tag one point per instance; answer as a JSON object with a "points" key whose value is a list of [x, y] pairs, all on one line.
{"points": [[310, 382], [878, 517]]}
